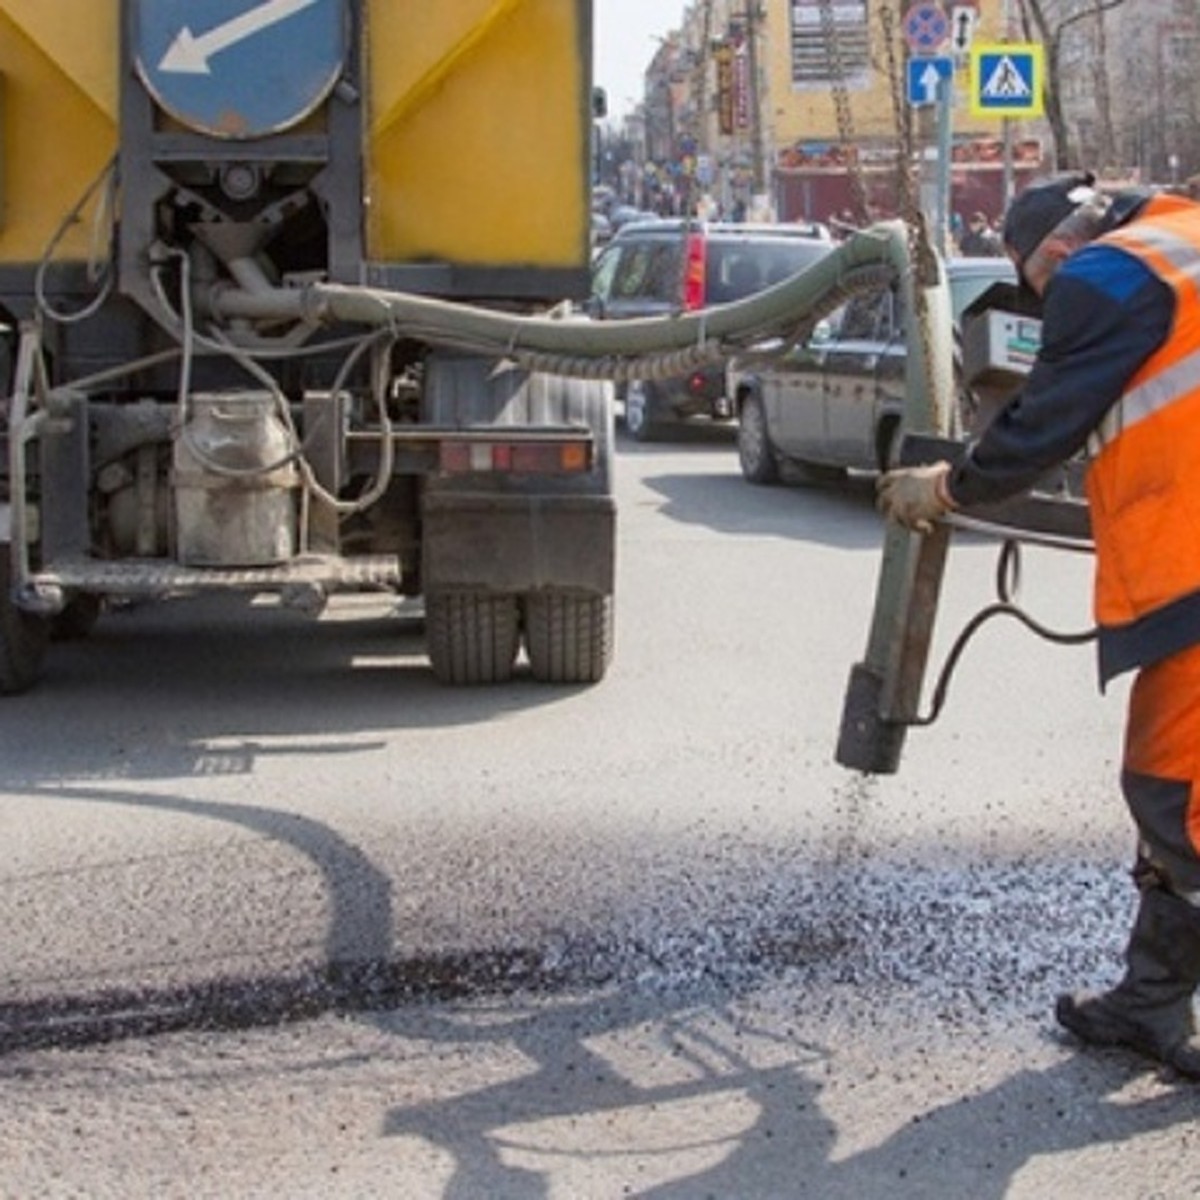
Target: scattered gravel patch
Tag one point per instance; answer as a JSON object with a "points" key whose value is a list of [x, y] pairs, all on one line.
{"points": [[956, 942]]}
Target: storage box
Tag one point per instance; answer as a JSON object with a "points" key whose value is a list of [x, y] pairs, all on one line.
{"points": [[999, 348]]}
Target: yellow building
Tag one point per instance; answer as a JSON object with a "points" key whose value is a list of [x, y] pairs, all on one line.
{"points": [[805, 103], [836, 98]]}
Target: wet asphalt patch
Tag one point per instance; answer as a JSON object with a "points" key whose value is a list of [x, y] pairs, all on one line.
{"points": [[972, 939]]}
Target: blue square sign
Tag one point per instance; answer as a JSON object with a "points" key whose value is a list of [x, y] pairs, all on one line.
{"points": [[1007, 80], [926, 75]]}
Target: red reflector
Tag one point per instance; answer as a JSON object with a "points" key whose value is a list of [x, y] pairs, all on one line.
{"points": [[696, 383], [693, 276], [549, 459], [520, 458]]}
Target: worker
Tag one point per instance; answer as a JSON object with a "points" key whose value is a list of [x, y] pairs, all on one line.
{"points": [[1118, 372]]}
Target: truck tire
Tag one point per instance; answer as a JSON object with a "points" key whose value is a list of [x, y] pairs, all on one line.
{"points": [[568, 637], [472, 637], [23, 637]]}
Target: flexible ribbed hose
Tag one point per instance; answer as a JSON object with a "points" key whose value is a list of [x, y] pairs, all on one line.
{"points": [[644, 348]]}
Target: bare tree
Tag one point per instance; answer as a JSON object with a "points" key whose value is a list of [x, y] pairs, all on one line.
{"points": [[1048, 21], [1106, 140]]}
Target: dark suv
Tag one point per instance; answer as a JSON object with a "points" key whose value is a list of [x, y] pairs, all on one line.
{"points": [[671, 266]]}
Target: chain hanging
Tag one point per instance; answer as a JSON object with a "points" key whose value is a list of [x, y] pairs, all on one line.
{"points": [[845, 119]]}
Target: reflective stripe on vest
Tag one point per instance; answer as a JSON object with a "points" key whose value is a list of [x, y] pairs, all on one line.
{"points": [[1153, 393], [1146, 399]]}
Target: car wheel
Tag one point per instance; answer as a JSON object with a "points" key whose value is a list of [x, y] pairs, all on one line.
{"points": [[641, 420], [759, 461]]}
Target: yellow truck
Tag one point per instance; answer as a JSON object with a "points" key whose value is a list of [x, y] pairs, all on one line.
{"points": [[202, 204]]}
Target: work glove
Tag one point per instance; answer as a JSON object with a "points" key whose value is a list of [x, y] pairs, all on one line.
{"points": [[915, 496]]}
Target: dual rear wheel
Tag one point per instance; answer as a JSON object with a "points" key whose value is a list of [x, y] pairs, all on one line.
{"points": [[475, 637]]}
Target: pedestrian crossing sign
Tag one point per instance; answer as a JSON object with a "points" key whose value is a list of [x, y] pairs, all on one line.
{"points": [[1007, 80]]}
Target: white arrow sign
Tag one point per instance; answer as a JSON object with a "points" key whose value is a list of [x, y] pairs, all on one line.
{"points": [[928, 81], [189, 55]]}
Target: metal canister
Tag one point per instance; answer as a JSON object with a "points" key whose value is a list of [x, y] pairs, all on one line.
{"points": [[235, 481]]}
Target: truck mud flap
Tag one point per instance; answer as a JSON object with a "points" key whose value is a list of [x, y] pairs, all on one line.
{"points": [[519, 544]]}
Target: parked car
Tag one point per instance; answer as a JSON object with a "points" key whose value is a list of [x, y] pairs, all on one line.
{"points": [[672, 266], [835, 402], [626, 214]]}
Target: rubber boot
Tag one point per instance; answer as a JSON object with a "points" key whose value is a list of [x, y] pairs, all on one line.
{"points": [[1150, 1010]]}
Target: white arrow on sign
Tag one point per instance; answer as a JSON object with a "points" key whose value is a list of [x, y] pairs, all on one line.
{"points": [[928, 81], [189, 55]]}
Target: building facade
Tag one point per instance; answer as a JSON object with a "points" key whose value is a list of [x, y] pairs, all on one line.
{"points": [[800, 108]]}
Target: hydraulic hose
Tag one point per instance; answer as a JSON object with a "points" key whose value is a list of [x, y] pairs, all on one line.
{"points": [[1008, 574]]}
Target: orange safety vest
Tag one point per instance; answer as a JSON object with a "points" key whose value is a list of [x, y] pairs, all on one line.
{"points": [[1143, 484]]}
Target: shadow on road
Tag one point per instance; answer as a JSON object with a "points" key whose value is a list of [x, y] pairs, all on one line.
{"points": [[680, 1094], [681, 1103], [841, 515], [198, 687]]}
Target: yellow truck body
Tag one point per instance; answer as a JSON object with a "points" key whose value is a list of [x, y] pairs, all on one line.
{"points": [[479, 127]]}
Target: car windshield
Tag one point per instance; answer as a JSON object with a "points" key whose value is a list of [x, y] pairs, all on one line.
{"points": [[736, 269], [880, 316]]}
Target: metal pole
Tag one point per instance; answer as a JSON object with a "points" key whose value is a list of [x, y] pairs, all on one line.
{"points": [[753, 14], [1009, 178], [944, 151], [1008, 183]]}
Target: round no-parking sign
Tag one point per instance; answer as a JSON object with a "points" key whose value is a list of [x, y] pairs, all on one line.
{"points": [[926, 28], [239, 68]]}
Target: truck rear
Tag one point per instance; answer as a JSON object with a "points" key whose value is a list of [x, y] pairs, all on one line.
{"points": [[168, 170]]}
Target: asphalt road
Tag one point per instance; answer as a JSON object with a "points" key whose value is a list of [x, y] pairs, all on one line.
{"points": [[284, 917]]}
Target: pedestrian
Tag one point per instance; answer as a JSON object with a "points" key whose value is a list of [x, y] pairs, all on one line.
{"points": [[978, 238], [1119, 371]]}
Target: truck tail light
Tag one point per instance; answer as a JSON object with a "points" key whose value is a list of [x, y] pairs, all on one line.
{"points": [[516, 458], [693, 273]]}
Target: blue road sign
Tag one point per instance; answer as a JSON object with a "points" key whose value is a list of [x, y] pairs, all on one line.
{"points": [[926, 28], [925, 74], [1007, 80], [239, 68]]}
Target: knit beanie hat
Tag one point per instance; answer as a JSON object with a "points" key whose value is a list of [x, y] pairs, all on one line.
{"points": [[1039, 210]]}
